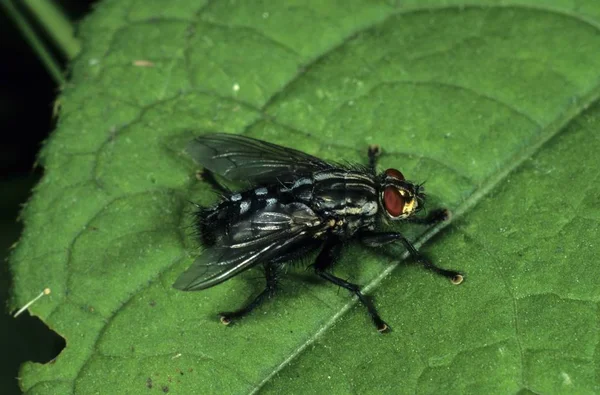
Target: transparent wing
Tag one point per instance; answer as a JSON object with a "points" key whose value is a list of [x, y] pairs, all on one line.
{"points": [[240, 158], [264, 236]]}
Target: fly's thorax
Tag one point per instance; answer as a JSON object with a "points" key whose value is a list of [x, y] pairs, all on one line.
{"points": [[342, 193]]}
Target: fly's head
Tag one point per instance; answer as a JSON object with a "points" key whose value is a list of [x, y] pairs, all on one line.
{"points": [[399, 198]]}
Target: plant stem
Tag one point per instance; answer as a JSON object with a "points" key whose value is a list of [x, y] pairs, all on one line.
{"points": [[38, 46], [56, 24]]}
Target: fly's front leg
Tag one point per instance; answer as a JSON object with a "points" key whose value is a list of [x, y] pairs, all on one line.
{"points": [[271, 274], [434, 217], [374, 152], [375, 239], [325, 260]]}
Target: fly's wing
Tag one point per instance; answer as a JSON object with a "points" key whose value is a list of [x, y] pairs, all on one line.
{"points": [[265, 235], [240, 158]]}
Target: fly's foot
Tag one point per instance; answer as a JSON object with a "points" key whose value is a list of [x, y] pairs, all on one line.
{"points": [[382, 327], [434, 217], [225, 318], [438, 215], [442, 214], [457, 279], [374, 150]]}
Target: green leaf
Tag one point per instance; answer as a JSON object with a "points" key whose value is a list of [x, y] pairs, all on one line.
{"points": [[495, 104]]}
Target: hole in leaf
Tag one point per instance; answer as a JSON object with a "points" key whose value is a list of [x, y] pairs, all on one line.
{"points": [[25, 338], [34, 341]]}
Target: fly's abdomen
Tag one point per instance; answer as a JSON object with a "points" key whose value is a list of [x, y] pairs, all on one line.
{"points": [[215, 222], [207, 224]]}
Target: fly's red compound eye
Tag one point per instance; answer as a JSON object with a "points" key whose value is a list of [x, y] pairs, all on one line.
{"points": [[393, 173], [393, 201]]}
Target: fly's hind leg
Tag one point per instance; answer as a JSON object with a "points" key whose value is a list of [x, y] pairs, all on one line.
{"points": [[209, 177], [325, 260], [271, 276]]}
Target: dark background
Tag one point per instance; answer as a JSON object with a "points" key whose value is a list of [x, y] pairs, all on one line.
{"points": [[27, 94]]}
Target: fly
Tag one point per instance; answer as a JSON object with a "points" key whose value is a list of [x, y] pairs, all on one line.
{"points": [[298, 204]]}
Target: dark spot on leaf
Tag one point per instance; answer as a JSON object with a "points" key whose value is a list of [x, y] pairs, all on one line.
{"points": [[149, 383], [112, 134], [190, 32], [165, 389], [152, 303]]}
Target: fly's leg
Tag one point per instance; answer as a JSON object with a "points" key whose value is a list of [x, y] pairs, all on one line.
{"points": [[209, 177], [374, 152], [271, 275], [325, 260], [434, 217], [375, 239], [379, 323]]}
